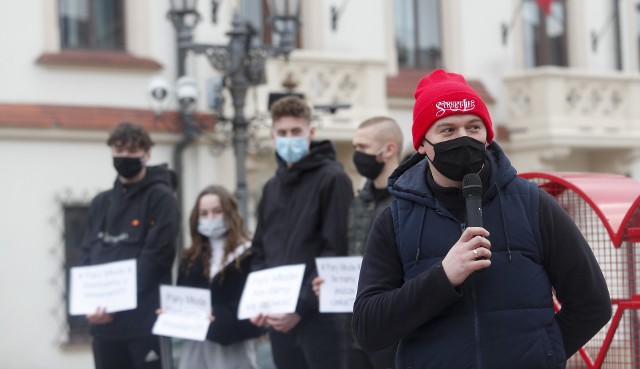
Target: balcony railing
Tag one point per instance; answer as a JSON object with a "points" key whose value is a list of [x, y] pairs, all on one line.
{"points": [[565, 104]]}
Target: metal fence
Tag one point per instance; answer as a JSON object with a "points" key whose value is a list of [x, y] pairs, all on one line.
{"points": [[606, 208]]}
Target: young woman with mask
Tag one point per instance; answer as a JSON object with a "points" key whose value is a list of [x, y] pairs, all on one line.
{"points": [[219, 259]]}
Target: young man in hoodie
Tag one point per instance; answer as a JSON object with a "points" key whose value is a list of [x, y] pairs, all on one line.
{"points": [[136, 219], [302, 215], [473, 297]]}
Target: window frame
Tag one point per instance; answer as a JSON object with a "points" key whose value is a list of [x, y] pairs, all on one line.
{"points": [[132, 58], [77, 326], [91, 30], [416, 62], [264, 30], [541, 44]]}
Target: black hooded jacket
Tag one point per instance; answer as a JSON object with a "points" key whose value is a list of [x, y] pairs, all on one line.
{"points": [[303, 215], [135, 221]]}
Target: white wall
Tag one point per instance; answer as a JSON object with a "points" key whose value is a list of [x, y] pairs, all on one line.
{"points": [[361, 28], [23, 37], [484, 56], [32, 244], [604, 57]]}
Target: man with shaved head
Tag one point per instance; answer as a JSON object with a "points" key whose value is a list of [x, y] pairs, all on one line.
{"points": [[378, 148]]}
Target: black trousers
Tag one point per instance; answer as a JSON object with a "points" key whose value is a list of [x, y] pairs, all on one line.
{"points": [[315, 343], [139, 353], [383, 359]]}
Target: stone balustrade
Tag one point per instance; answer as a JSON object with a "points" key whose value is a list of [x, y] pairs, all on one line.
{"points": [[573, 107]]}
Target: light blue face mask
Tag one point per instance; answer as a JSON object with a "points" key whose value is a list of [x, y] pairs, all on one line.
{"points": [[212, 228], [292, 149]]}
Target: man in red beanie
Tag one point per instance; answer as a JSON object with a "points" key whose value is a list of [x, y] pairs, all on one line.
{"points": [[459, 296]]}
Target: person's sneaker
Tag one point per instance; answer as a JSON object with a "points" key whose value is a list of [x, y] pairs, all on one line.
{"points": [[151, 356]]}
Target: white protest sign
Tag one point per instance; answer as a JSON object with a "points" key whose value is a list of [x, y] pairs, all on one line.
{"points": [[185, 313], [340, 274], [271, 291], [112, 286]]}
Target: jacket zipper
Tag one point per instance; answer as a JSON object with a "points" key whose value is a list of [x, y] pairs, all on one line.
{"points": [[476, 323]]}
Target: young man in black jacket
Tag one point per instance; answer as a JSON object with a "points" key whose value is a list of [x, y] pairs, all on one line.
{"points": [[302, 215], [459, 296], [136, 219]]}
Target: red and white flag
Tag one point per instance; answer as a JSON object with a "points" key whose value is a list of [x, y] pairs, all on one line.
{"points": [[545, 5]]}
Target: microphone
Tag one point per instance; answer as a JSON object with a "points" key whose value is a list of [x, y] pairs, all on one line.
{"points": [[472, 193]]}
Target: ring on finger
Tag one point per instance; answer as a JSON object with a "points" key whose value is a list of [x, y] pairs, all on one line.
{"points": [[475, 252]]}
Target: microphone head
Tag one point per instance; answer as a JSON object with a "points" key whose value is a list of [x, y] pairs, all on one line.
{"points": [[471, 185]]}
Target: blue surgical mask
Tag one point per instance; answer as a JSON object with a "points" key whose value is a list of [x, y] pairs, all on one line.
{"points": [[292, 149], [212, 228]]}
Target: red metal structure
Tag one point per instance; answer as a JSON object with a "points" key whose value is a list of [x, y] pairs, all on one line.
{"points": [[606, 208]]}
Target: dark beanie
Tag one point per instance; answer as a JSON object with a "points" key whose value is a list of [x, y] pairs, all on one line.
{"points": [[441, 94]]}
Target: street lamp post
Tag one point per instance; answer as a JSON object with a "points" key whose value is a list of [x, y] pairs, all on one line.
{"points": [[241, 63], [184, 17]]}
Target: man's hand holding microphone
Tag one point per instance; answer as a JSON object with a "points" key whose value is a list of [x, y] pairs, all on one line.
{"points": [[472, 251]]}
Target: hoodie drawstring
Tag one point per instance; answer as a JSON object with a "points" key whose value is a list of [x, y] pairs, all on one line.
{"points": [[504, 223], [424, 214]]}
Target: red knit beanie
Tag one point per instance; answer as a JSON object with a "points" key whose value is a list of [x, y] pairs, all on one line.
{"points": [[441, 94]]}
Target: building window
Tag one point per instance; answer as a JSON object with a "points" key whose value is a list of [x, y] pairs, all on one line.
{"points": [[256, 13], [75, 225], [545, 36], [92, 24], [417, 31]]}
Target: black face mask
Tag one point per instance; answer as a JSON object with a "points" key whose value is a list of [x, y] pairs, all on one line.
{"points": [[128, 167], [457, 157], [367, 165]]}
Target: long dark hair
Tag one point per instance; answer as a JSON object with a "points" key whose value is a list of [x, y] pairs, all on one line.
{"points": [[200, 248]]}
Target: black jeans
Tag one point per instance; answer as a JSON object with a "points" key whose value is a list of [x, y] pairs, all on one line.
{"points": [[314, 343]]}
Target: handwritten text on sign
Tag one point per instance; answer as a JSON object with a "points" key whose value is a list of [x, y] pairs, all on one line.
{"points": [[111, 286], [340, 274], [185, 313], [271, 291]]}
